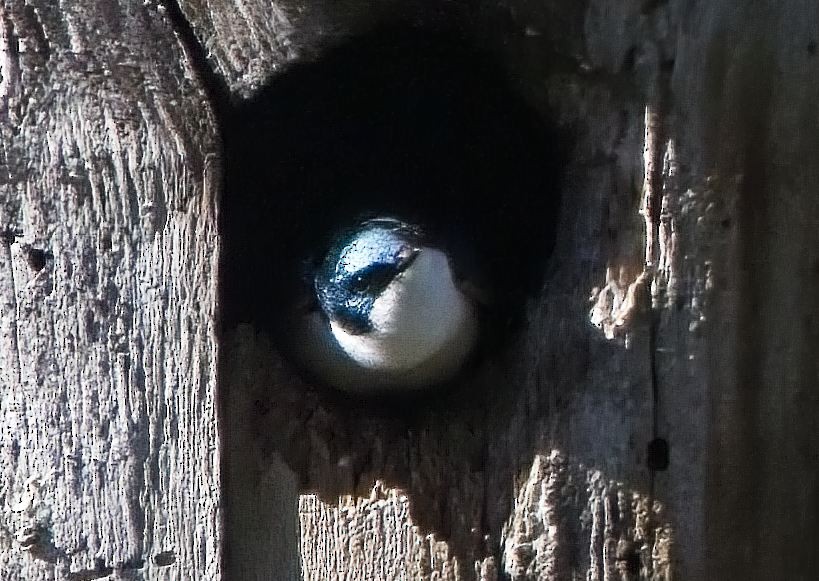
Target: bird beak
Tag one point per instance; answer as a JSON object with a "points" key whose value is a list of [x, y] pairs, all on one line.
{"points": [[407, 258]]}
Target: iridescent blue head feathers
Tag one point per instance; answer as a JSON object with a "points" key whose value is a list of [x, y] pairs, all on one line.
{"points": [[359, 266], [392, 314]]}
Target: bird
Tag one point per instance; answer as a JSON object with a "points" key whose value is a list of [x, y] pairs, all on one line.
{"points": [[388, 311]]}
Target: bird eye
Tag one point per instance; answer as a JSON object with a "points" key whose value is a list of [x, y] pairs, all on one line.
{"points": [[374, 278], [359, 283]]}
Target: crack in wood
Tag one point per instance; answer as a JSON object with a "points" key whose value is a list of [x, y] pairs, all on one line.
{"points": [[9, 331], [214, 85]]}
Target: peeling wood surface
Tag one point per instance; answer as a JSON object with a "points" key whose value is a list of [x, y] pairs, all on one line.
{"points": [[369, 538], [109, 461]]}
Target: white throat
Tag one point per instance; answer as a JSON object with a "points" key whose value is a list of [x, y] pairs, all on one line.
{"points": [[423, 327]]}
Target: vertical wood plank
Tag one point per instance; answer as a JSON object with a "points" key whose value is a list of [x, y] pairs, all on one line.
{"points": [[108, 173], [746, 84]]}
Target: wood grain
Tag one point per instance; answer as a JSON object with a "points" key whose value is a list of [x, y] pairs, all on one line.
{"points": [[109, 462], [248, 42], [746, 80]]}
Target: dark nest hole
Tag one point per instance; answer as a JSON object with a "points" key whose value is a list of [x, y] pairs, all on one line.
{"points": [[417, 124], [406, 122]]}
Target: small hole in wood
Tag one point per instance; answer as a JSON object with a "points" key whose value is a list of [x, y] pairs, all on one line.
{"points": [[165, 559], [36, 259], [633, 563], [657, 457]]}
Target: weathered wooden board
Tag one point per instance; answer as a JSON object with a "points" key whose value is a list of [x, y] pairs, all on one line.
{"points": [[746, 85], [109, 443]]}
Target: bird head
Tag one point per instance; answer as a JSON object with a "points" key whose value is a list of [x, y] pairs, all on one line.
{"points": [[392, 305], [360, 265]]}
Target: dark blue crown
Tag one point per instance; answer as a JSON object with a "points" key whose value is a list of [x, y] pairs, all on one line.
{"points": [[359, 265]]}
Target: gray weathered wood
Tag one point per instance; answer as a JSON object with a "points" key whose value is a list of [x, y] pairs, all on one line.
{"points": [[746, 81], [109, 448]]}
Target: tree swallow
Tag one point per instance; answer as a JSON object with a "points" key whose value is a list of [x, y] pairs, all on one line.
{"points": [[389, 313]]}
